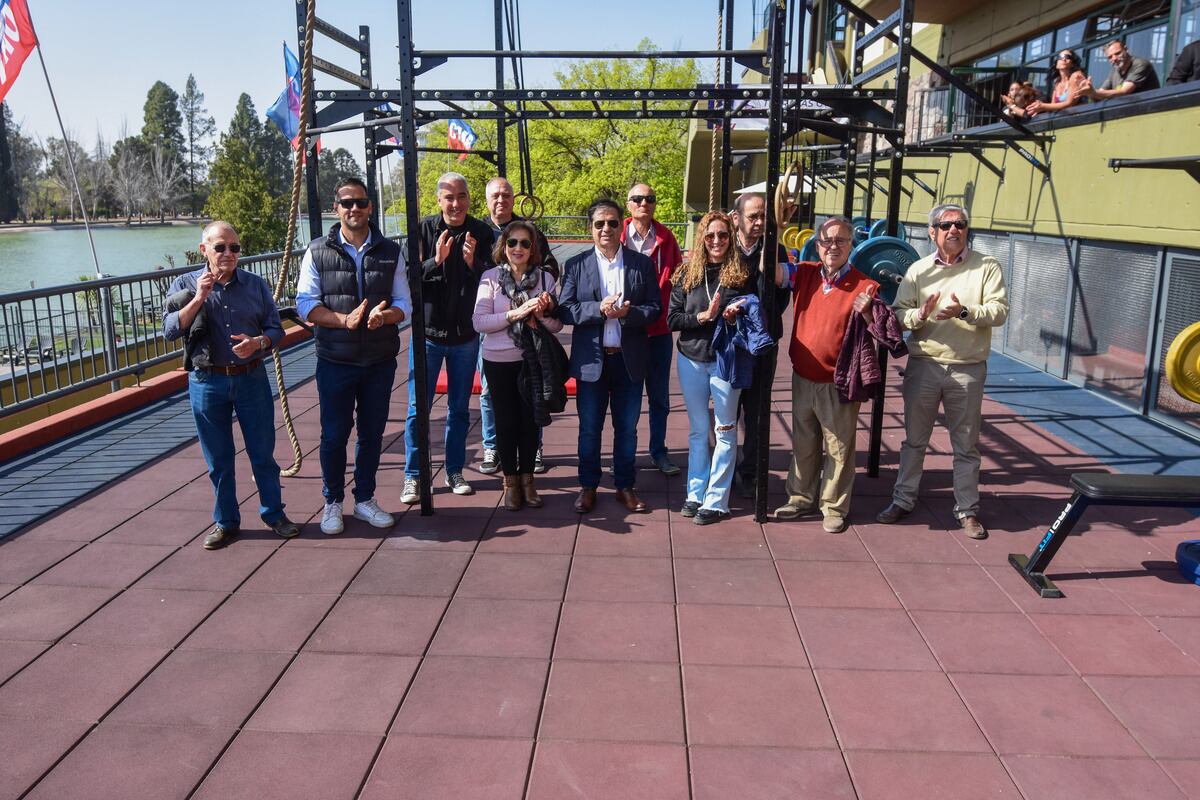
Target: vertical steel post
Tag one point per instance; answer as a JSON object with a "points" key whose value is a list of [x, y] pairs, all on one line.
{"points": [[310, 143], [904, 31], [727, 129], [778, 65], [364, 69], [501, 122], [408, 138]]}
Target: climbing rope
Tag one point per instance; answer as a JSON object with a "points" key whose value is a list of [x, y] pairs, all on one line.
{"points": [[306, 80], [712, 171]]}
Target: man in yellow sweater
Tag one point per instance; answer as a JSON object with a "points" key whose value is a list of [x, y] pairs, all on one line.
{"points": [[950, 301]]}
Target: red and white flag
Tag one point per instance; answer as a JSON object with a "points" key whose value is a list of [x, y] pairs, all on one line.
{"points": [[16, 41]]}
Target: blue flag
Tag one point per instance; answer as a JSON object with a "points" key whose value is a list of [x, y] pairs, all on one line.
{"points": [[285, 111]]}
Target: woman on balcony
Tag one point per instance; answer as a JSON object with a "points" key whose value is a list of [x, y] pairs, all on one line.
{"points": [[1068, 89]]}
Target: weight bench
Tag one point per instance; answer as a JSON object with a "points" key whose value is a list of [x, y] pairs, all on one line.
{"points": [[1102, 489]]}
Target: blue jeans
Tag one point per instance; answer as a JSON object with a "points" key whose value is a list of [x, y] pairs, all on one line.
{"points": [[658, 390], [214, 399], [708, 480], [342, 388], [460, 362], [592, 400], [487, 417]]}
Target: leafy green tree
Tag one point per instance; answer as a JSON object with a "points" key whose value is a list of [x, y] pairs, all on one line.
{"points": [[334, 165], [275, 155], [241, 196], [9, 207], [245, 125], [163, 123], [25, 163], [198, 127]]}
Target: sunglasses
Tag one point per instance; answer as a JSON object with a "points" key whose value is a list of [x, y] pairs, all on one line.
{"points": [[611, 223], [958, 224], [524, 244], [637, 199], [233, 248], [717, 236], [353, 202]]}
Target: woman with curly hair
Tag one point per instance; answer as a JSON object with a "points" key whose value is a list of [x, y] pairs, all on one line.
{"points": [[706, 291]]}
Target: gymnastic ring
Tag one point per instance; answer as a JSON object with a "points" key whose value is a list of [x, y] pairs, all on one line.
{"points": [[785, 198], [530, 206]]}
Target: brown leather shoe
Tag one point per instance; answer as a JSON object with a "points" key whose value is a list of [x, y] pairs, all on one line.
{"points": [[892, 514], [629, 499], [529, 492], [972, 527], [513, 499], [586, 500]]}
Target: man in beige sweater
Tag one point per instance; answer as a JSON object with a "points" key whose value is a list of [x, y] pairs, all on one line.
{"points": [[950, 301]]}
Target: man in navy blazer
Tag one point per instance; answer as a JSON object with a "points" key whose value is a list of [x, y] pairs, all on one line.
{"points": [[610, 295]]}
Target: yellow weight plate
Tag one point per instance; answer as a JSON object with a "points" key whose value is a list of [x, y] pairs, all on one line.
{"points": [[1183, 363], [803, 236], [789, 237]]}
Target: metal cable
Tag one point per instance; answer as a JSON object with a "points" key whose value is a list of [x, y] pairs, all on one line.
{"points": [[306, 80]]}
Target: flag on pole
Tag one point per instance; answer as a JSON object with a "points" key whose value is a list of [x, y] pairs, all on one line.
{"points": [[285, 111], [16, 41], [461, 137]]}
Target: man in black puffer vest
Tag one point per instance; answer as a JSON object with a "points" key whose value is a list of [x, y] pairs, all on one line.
{"points": [[354, 288]]}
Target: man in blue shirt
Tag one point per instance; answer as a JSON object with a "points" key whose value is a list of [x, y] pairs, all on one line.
{"points": [[230, 320], [353, 287]]}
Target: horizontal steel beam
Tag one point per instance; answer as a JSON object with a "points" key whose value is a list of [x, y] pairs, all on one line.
{"points": [[329, 68], [884, 27], [337, 34], [649, 95]]}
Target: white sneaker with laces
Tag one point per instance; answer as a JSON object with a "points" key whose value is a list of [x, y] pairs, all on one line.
{"points": [[331, 519], [370, 512], [411, 493], [458, 484]]}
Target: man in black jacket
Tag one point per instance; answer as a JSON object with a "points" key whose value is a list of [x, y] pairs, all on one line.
{"points": [[750, 215], [455, 251], [354, 288]]}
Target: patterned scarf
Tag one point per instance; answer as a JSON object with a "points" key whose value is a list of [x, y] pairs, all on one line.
{"points": [[518, 295]]}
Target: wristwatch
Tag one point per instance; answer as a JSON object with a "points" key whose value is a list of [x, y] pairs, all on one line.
{"points": [[266, 342], [963, 314]]}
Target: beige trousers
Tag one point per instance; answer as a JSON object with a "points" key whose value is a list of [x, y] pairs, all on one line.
{"points": [[959, 390], [823, 429]]}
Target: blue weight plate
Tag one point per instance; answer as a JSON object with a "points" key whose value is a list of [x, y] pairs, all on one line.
{"points": [[809, 251], [880, 229], [1187, 554], [880, 254]]}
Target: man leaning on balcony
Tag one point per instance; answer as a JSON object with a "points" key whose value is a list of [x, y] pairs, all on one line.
{"points": [[1129, 74], [950, 301], [230, 320]]}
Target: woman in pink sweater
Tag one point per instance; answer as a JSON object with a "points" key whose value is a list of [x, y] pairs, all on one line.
{"points": [[515, 294]]}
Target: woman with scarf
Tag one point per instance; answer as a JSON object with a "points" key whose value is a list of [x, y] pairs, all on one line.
{"points": [[705, 292], [515, 294]]}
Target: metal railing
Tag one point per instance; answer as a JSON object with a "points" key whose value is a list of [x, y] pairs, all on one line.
{"points": [[940, 110], [63, 339]]}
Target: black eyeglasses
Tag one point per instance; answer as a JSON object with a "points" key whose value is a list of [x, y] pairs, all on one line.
{"points": [[838, 240], [638, 199], [233, 248], [612, 223], [716, 236], [353, 202], [524, 244], [960, 224]]}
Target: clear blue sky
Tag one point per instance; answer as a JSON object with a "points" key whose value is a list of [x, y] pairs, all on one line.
{"points": [[103, 57]]}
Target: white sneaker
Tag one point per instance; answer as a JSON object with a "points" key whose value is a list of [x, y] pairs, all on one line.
{"points": [[370, 512], [331, 519], [458, 484], [411, 493]]}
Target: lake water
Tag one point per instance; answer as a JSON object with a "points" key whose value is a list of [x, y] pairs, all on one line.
{"points": [[55, 257]]}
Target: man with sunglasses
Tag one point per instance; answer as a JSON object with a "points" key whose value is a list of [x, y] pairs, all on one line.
{"points": [[821, 474], [455, 251], [230, 321], [610, 294], [354, 288], [950, 301], [499, 196], [642, 233]]}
